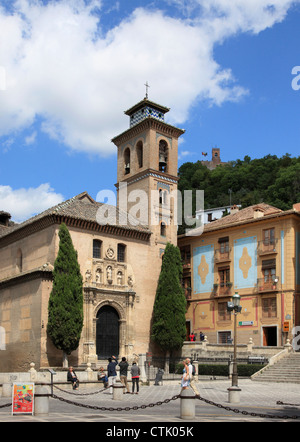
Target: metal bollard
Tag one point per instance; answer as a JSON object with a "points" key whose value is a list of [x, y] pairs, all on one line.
{"points": [[41, 401], [118, 391], [187, 404], [234, 395]]}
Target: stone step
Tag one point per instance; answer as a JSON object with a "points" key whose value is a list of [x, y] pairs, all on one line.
{"points": [[276, 380], [286, 370]]}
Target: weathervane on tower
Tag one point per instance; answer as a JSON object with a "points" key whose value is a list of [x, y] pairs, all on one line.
{"points": [[147, 88]]}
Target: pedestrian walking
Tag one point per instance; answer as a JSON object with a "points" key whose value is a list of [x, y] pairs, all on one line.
{"points": [[111, 372], [135, 376], [123, 374], [192, 383], [185, 380]]}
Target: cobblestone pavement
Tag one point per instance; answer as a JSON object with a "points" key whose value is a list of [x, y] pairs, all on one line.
{"points": [[258, 403]]}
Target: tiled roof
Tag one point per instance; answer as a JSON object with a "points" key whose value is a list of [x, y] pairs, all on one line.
{"points": [[243, 216], [81, 207]]}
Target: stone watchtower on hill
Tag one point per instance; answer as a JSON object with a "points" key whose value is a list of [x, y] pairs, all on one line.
{"points": [[215, 159]]}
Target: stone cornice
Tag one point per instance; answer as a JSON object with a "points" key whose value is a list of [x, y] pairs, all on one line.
{"points": [[40, 273], [147, 173], [146, 124], [81, 223]]}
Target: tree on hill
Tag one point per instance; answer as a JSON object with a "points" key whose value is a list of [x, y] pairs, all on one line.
{"points": [[65, 309], [272, 180], [168, 327]]}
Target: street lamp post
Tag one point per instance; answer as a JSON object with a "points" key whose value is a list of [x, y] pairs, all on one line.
{"points": [[236, 308]]}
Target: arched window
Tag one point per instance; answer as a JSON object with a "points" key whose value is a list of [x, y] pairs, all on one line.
{"points": [[121, 252], [162, 197], [139, 154], [163, 156], [127, 160], [97, 245]]}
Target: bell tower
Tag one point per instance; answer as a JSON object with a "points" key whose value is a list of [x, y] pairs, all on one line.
{"points": [[147, 169]]}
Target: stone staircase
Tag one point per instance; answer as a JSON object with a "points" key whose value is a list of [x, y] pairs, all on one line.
{"points": [[285, 370]]}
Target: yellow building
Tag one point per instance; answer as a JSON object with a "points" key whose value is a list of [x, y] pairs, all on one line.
{"points": [[255, 252]]}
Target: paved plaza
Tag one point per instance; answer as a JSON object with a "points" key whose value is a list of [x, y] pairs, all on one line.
{"points": [[258, 403]]}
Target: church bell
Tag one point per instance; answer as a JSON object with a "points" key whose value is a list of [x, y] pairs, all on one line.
{"points": [[162, 161]]}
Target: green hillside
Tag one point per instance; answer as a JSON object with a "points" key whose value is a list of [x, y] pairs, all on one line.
{"points": [[273, 180]]}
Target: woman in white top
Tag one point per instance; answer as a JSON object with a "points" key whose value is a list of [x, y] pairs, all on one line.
{"points": [[185, 380]]}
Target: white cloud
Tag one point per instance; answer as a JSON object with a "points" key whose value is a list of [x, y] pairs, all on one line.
{"points": [[31, 138], [61, 68], [24, 203], [184, 154], [225, 18]]}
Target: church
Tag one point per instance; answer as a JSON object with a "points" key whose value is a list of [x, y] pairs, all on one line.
{"points": [[119, 252]]}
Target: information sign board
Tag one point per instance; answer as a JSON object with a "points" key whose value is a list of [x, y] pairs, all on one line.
{"points": [[23, 398], [286, 326]]}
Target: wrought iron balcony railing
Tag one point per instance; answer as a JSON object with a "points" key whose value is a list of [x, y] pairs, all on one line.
{"points": [[267, 246], [268, 284]]}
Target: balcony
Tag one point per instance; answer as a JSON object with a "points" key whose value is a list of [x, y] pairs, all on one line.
{"points": [[267, 284], [267, 246], [223, 289], [223, 255], [186, 266], [188, 293]]}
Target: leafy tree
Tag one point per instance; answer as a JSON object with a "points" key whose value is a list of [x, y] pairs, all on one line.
{"points": [[273, 180], [169, 329], [65, 310]]}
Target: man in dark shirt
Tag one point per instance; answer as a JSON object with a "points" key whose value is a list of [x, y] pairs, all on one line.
{"points": [[111, 372], [123, 374]]}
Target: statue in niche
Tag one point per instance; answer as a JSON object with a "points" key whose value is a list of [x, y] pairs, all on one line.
{"points": [[98, 276], [119, 278], [88, 276], [109, 274]]}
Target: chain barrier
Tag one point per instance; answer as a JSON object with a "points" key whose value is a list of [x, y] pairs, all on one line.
{"points": [[78, 394], [248, 413], [286, 403], [166, 401], [207, 401], [136, 407], [5, 406]]}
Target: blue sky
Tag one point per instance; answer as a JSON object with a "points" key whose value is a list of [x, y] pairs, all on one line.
{"points": [[69, 69]]}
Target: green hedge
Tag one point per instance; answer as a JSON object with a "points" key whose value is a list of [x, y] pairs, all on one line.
{"points": [[245, 370]]}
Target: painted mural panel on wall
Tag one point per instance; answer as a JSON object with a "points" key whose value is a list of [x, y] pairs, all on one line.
{"points": [[203, 260], [245, 262]]}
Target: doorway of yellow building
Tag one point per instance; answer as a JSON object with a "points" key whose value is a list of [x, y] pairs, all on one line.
{"points": [[269, 336]]}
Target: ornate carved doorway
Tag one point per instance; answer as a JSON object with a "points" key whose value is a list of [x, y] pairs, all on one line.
{"points": [[107, 333]]}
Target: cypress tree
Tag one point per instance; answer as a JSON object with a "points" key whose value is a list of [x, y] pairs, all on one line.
{"points": [[65, 310], [169, 328]]}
